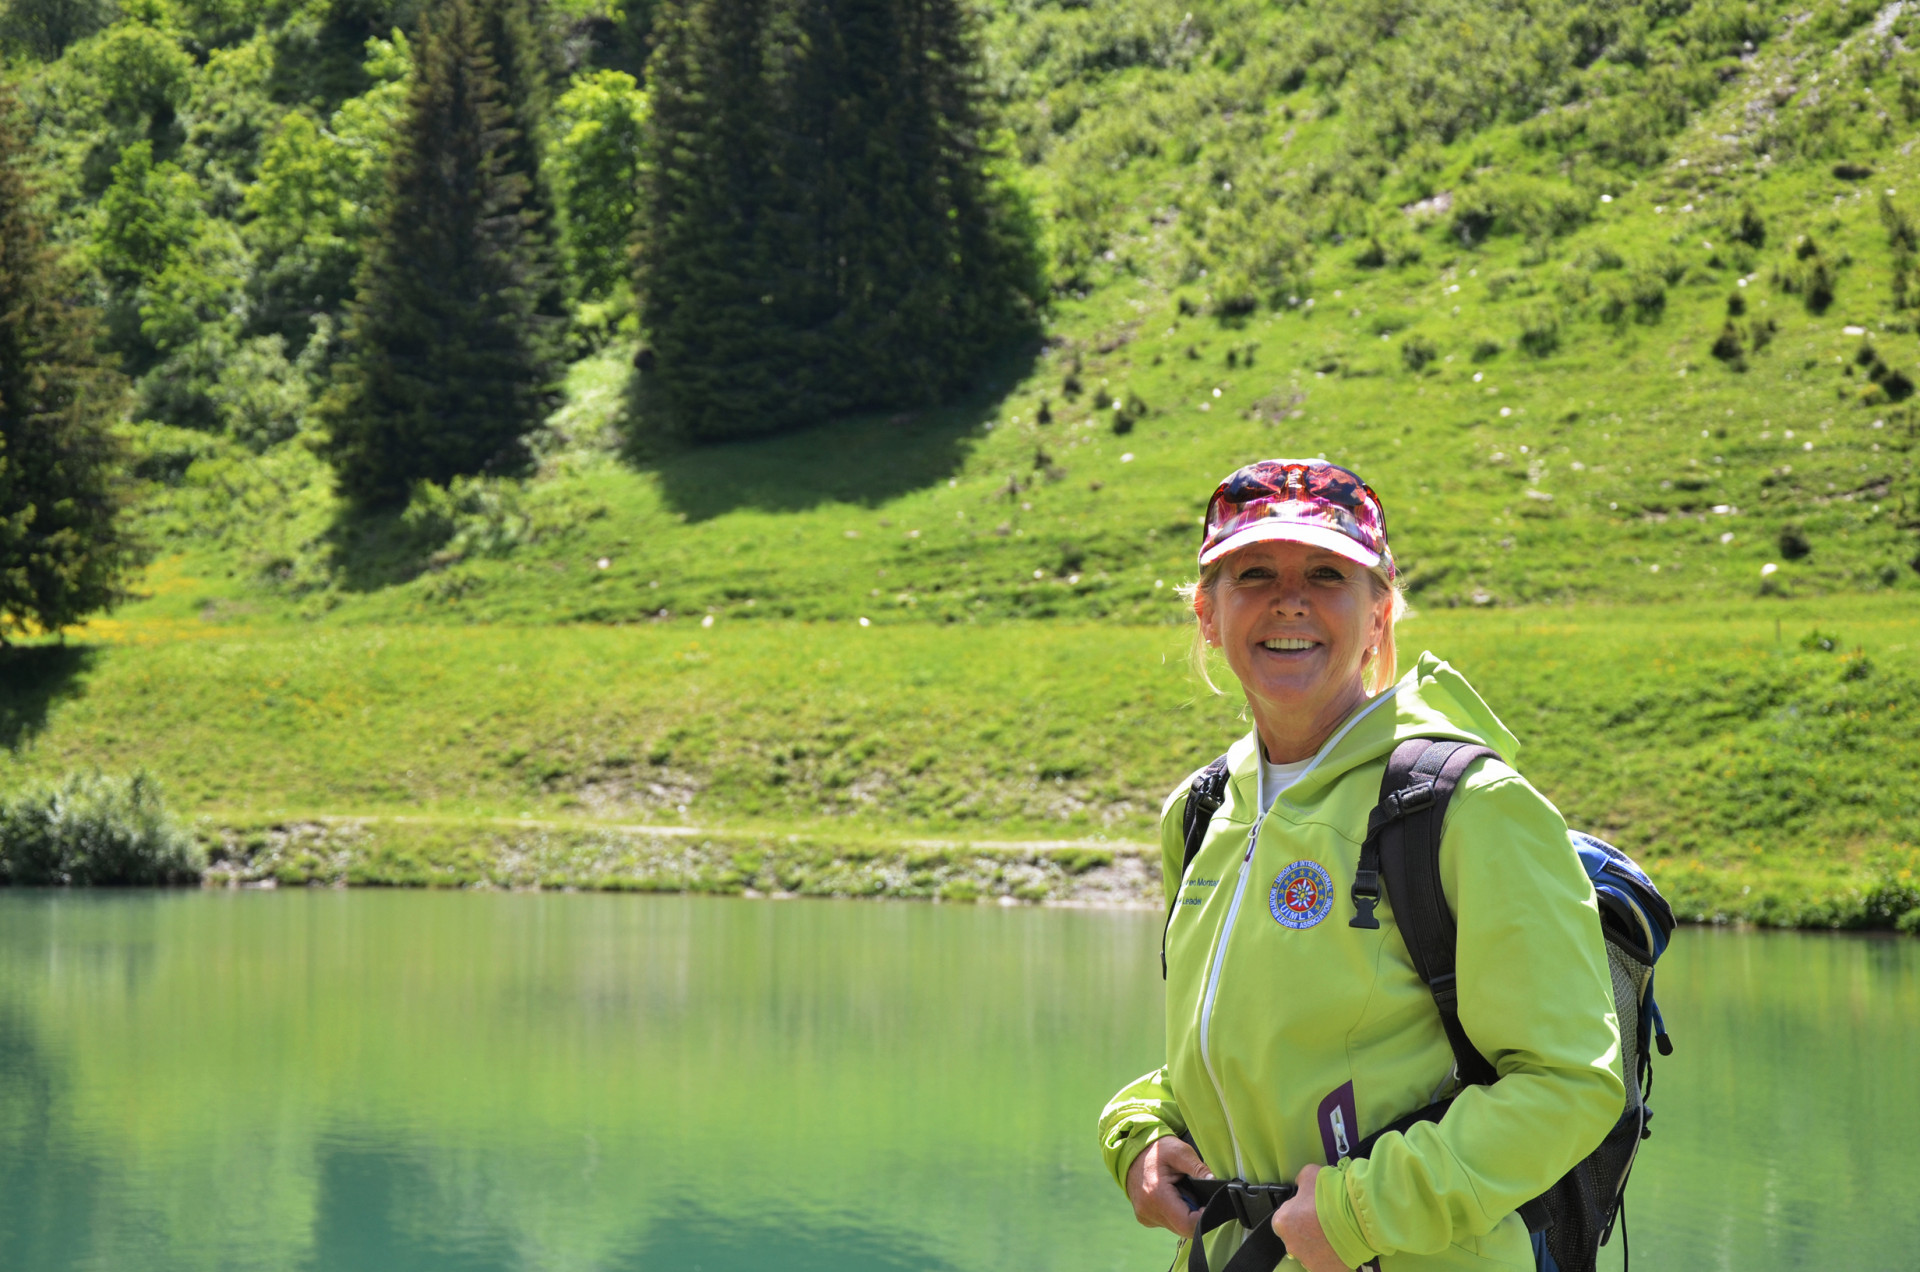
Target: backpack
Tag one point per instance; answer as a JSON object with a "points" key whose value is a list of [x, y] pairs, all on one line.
{"points": [[1575, 1217]]}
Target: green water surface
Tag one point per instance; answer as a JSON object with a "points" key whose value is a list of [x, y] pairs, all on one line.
{"points": [[441, 1082]]}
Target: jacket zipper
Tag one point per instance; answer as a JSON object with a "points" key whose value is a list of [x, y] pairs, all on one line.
{"points": [[1213, 988], [1233, 912]]}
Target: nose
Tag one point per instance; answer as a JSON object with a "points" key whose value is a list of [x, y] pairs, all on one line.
{"points": [[1290, 595]]}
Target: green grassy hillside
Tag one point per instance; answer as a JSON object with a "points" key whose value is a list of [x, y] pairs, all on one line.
{"points": [[1248, 265], [1613, 307]]}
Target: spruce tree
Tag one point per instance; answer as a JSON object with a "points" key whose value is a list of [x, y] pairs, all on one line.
{"points": [[64, 549], [449, 361], [887, 263], [516, 33], [936, 272], [725, 362]]}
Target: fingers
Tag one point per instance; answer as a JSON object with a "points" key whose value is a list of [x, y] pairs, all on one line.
{"points": [[1153, 1185], [1177, 1161], [1180, 1159], [1298, 1224]]}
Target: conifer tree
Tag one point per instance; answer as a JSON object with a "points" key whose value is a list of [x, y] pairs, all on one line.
{"points": [[449, 361], [725, 362], [64, 551], [524, 58], [887, 264]]}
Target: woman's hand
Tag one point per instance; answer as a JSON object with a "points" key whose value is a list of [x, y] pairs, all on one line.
{"points": [[1152, 1180], [1298, 1224]]}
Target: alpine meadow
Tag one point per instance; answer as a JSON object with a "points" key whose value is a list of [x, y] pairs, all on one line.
{"points": [[754, 444]]}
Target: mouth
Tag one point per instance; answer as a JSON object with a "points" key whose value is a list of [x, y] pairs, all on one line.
{"points": [[1289, 644]]}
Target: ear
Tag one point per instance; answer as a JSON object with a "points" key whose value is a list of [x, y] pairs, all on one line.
{"points": [[1382, 620], [1209, 621]]}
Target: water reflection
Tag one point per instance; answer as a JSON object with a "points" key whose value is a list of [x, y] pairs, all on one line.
{"points": [[436, 1082], [44, 1195]]}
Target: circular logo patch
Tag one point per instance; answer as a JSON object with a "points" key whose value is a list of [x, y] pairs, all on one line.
{"points": [[1302, 895]]}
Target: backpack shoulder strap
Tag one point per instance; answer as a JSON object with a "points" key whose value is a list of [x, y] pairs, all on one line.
{"points": [[1402, 852], [1205, 794]]}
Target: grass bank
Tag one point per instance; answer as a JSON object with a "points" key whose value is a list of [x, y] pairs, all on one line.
{"points": [[1874, 890], [1754, 753], [522, 854]]}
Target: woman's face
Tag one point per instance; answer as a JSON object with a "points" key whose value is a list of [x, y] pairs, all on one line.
{"points": [[1297, 625]]}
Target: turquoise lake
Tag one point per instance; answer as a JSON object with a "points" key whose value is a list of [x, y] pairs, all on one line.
{"points": [[476, 1082]]}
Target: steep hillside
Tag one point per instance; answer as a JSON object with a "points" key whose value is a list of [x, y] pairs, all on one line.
{"points": [[1607, 308]]}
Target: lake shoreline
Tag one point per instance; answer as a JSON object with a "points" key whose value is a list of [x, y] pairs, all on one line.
{"points": [[525, 854]]}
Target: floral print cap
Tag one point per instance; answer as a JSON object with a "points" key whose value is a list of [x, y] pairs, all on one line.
{"points": [[1301, 501]]}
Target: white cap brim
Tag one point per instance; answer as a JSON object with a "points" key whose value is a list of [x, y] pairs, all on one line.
{"points": [[1280, 528]]}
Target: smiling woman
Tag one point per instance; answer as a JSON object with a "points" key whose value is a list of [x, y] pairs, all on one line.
{"points": [[1307, 1041], [1297, 588]]}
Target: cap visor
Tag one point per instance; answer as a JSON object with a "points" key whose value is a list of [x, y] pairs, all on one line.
{"points": [[1292, 532]]}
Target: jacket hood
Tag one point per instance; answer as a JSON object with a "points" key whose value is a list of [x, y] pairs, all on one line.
{"points": [[1431, 701]]}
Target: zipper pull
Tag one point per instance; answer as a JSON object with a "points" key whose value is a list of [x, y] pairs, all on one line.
{"points": [[1340, 1133]]}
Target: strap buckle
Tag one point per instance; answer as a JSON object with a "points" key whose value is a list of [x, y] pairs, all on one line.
{"points": [[1366, 895], [1410, 799], [1255, 1204]]}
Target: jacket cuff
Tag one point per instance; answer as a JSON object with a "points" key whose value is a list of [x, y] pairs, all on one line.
{"points": [[1131, 1148], [1338, 1219]]}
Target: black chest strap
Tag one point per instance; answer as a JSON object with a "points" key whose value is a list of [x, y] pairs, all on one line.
{"points": [[1252, 1206]]}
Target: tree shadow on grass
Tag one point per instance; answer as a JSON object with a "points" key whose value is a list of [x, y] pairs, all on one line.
{"points": [[33, 680], [861, 459], [371, 549], [864, 459]]}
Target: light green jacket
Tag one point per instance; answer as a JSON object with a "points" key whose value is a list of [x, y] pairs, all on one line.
{"points": [[1265, 1020]]}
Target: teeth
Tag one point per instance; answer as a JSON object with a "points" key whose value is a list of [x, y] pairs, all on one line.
{"points": [[1288, 643]]}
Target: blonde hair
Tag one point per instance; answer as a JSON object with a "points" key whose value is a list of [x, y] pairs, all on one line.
{"points": [[1381, 670]]}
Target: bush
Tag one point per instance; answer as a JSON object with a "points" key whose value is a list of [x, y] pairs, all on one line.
{"points": [[92, 830], [1416, 352], [1728, 348], [1539, 330]]}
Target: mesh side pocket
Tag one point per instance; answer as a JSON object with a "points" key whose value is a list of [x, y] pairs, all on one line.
{"points": [[1580, 1207], [1630, 977]]}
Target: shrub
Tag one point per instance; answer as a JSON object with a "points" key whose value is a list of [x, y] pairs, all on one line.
{"points": [[94, 830], [1539, 330], [1648, 291], [1901, 233], [1728, 349], [1416, 352]]}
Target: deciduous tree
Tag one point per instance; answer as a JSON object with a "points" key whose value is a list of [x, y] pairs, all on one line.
{"points": [[597, 169]]}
